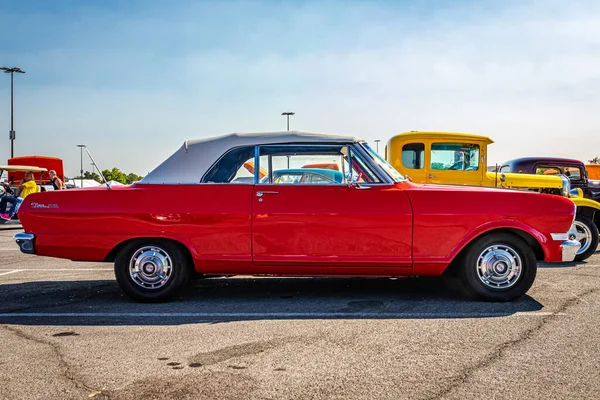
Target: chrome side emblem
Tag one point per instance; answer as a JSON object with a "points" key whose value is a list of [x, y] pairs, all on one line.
{"points": [[40, 205]]}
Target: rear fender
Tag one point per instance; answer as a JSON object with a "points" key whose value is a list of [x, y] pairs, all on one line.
{"points": [[110, 257]]}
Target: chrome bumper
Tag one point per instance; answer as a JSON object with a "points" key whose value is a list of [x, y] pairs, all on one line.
{"points": [[25, 242], [569, 250], [569, 246]]}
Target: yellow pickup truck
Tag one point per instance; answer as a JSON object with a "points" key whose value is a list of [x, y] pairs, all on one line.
{"points": [[461, 159]]}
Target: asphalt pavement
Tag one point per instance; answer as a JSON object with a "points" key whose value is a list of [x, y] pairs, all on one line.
{"points": [[67, 332]]}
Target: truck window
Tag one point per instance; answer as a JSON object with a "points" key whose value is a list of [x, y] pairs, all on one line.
{"points": [[455, 156], [413, 155], [573, 173]]}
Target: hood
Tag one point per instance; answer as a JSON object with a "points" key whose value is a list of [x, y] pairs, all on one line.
{"points": [[515, 180], [463, 188]]}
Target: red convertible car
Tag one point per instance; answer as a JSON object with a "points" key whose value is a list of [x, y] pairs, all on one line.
{"points": [[202, 210]]}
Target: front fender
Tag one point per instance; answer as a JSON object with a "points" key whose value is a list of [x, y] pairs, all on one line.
{"points": [[436, 266], [497, 225], [581, 202]]}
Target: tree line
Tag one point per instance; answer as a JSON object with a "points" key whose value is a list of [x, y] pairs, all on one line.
{"points": [[114, 174]]}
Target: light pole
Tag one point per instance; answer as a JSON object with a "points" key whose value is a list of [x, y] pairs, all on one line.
{"points": [[81, 146], [287, 114], [377, 144], [11, 134]]}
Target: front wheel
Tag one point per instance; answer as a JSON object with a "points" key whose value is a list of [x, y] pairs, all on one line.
{"points": [[497, 267], [152, 271], [587, 235]]}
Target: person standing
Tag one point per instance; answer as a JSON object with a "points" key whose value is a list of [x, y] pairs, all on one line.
{"points": [[55, 180], [27, 187]]}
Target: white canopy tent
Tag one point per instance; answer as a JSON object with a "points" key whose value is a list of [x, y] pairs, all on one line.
{"points": [[115, 183], [87, 183]]}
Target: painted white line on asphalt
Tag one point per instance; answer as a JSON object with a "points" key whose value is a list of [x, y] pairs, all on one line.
{"points": [[61, 269], [277, 315], [10, 272], [10, 249]]}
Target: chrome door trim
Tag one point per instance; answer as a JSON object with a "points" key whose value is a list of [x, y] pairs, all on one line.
{"points": [[256, 164], [367, 159]]}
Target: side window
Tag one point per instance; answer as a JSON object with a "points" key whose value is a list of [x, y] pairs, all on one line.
{"points": [[547, 170], [312, 165], [413, 155], [236, 166], [504, 168], [573, 173], [455, 156]]}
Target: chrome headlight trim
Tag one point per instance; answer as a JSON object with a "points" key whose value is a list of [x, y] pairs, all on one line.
{"points": [[566, 189]]}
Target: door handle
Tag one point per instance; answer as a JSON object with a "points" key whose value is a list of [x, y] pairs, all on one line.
{"points": [[431, 176], [261, 194], [357, 186]]}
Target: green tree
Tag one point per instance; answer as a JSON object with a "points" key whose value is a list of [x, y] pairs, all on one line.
{"points": [[115, 174], [90, 175], [133, 178]]}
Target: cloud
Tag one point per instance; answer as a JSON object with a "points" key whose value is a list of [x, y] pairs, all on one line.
{"points": [[526, 74]]}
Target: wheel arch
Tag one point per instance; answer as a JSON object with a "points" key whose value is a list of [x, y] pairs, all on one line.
{"points": [[590, 212], [112, 255], [531, 241]]}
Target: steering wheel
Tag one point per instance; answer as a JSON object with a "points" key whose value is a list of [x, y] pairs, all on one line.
{"points": [[455, 166], [8, 189]]}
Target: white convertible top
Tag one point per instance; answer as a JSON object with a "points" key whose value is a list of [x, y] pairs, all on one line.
{"points": [[195, 157]]}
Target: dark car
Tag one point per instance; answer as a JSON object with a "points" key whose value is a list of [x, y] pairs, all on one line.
{"points": [[588, 218]]}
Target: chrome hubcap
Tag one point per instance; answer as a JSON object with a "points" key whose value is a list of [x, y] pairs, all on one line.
{"points": [[150, 267], [499, 266], [584, 236]]}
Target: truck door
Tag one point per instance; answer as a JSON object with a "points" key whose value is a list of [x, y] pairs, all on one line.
{"points": [[455, 163]]}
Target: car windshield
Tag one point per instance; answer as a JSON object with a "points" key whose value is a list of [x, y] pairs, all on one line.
{"points": [[391, 171]]}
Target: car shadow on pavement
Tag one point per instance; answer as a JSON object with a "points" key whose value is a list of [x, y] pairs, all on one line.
{"points": [[218, 300], [572, 264]]}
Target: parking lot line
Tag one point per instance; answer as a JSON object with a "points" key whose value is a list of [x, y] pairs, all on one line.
{"points": [[10, 272], [278, 315], [58, 269]]}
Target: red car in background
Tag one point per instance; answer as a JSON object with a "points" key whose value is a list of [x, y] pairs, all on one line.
{"points": [[217, 216], [50, 163]]}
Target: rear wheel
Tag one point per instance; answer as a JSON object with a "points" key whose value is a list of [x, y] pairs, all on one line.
{"points": [[152, 271], [587, 235], [497, 267]]}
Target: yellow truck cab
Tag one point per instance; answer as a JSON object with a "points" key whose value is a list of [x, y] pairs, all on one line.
{"points": [[461, 159], [456, 159]]}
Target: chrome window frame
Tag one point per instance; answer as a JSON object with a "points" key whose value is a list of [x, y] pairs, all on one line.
{"points": [[355, 147], [374, 165]]}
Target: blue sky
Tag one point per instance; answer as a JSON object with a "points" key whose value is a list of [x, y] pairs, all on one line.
{"points": [[134, 79]]}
